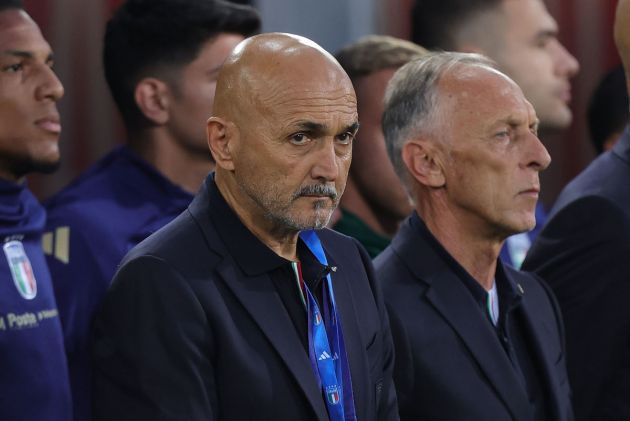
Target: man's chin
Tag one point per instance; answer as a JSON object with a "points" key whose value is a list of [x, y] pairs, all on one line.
{"points": [[46, 167], [316, 221], [24, 168]]}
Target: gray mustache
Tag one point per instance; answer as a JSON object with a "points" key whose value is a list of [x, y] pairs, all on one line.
{"points": [[319, 190]]}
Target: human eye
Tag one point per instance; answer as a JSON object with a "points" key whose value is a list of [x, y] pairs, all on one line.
{"points": [[345, 138], [13, 68], [299, 139], [502, 134], [542, 42], [545, 40]]}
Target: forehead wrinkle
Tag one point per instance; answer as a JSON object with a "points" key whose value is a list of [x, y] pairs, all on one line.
{"points": [[488, 97], [305, 101], [319, 115]]}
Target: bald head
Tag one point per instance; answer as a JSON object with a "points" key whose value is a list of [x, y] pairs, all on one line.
{"points": [[285, 116], [622, 34], [263, 68]]}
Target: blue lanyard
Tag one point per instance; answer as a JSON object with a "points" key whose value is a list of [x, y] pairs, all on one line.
{"points": [[330, 363]]}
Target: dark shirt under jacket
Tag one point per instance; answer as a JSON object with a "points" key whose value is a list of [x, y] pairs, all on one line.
{"points": [[200, 324], [510, 328], [256, 256], [452, 363]]}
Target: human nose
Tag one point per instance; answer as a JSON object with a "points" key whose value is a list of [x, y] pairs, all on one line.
{"points": [[49, 87], [538, 158], [565, 63], [326, 167]]}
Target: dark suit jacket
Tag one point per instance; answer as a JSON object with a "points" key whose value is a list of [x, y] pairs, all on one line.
{"points": [[186, 334], [583, 254], [450, 364]]}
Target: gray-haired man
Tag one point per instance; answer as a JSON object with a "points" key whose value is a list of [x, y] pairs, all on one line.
{"points": [[475, 339]]}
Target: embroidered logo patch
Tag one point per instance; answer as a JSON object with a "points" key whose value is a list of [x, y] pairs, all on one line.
{"points": [[324, 356], [332, 392], [21, 269]]}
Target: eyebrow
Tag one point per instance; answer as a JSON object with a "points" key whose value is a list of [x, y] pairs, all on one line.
{"points": [[352, 128], [547, 33], [312, 127], [24, 54], [513, 122]]}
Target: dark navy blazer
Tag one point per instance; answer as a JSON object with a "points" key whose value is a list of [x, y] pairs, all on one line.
{"points": [[450, 364], [188, 333]]}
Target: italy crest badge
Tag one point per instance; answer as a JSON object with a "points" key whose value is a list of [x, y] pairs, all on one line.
{"points": [[21, 269], [332, 392]]}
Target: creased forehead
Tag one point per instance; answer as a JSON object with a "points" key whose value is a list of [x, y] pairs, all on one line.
{"points": [[479, 89]]}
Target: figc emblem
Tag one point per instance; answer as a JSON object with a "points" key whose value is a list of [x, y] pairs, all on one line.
{"points": [[21, 269]]}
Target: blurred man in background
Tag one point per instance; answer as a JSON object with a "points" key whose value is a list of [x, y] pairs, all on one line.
{"points": [[521, 37], [608, 110], [375, 202], [582, 253], [34, 383], [161, 60]]}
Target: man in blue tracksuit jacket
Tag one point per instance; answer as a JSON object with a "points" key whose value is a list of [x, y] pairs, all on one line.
{"points": [[34, 382]]}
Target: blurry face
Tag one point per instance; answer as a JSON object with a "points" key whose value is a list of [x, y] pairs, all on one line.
{"points": [[371, 170], [494, 157], [295, 146], [191, 105], [532, 55], [29, 90]]}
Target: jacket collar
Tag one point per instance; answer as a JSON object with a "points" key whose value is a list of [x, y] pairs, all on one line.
{"points": [[452, 299], [244, 269]]}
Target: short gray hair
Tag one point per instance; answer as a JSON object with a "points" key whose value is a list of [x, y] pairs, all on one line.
{"points": [[411, 99]]}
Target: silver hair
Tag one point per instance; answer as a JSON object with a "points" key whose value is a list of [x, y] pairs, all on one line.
{"points": [[412, 103]]}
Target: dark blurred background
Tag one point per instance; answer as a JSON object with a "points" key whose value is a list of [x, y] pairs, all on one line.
{"points": [[91, 125]]}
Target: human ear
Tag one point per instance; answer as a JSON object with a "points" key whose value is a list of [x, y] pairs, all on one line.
{"points": [[420, 158], [151, 96], [222, 136]]}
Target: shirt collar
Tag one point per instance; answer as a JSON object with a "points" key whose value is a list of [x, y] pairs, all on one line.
{"points": [[249, 253], [478, 292], [508, 295]]}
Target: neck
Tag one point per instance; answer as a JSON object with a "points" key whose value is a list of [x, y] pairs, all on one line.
{"points": [[380, 222], [181, 166], [282, 241], [475, 252]]}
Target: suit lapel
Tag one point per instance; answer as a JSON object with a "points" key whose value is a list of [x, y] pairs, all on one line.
{"points": [[450, 297], [258, 296], [543, 356], [457, 306]]}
